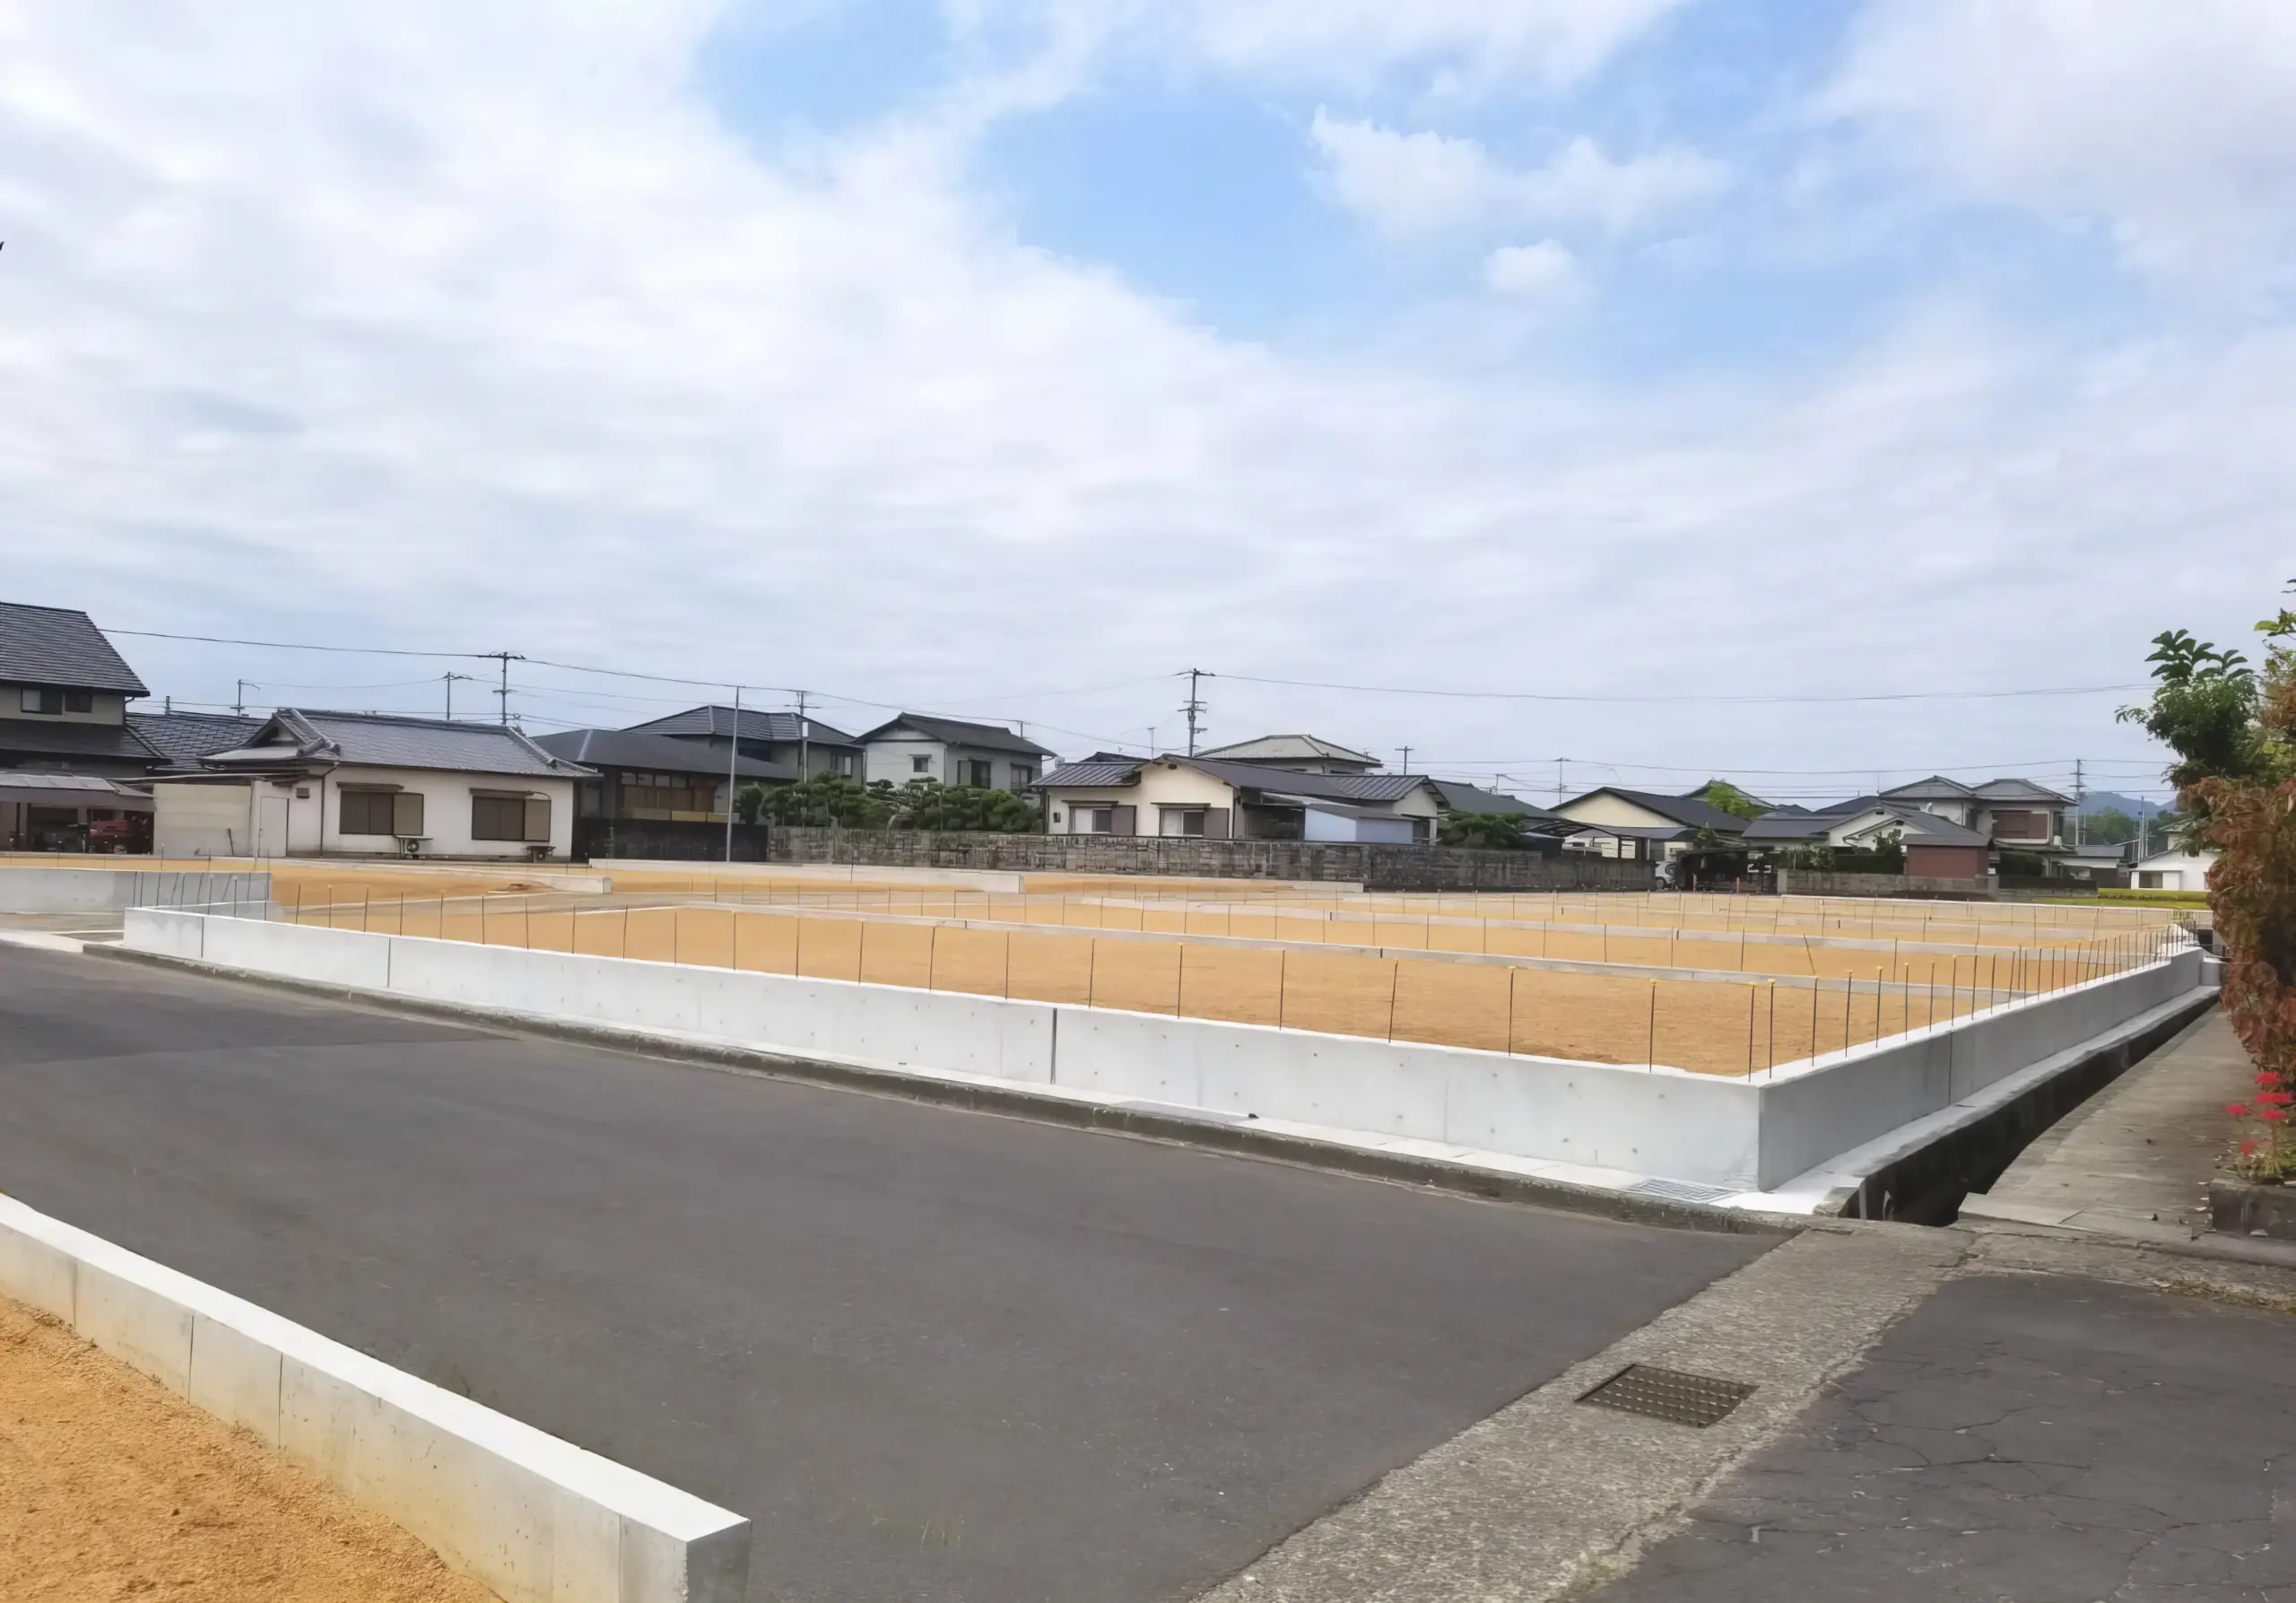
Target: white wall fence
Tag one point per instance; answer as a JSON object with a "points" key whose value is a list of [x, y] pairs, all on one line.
{"points": [[1744, 1134], [38, 890]]}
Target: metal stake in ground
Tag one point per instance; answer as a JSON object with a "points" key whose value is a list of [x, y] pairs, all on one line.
{"points": [[1394, 978], [1650, 1058]]}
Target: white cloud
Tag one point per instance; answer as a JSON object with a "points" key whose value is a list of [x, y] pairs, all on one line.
{"points": [[1461, 43], [2174, 122], [421, 326], [1415, 185], [1537, 271]]}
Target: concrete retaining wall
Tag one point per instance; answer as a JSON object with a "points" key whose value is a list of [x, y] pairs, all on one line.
{"points": [[31, 890], [1809, 881], [536, 1519], [1664, 1121], [1821, 1112], [1004, 883]]}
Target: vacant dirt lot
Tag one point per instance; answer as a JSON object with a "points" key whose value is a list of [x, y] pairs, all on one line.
{"points": [[112, 1487]]}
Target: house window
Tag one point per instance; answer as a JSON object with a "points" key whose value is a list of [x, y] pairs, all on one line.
{"points": [[1180, 821], [980, 775], [48, 703], [380, 812], [1024, 774], [79, 701], [665, 793], [1093, 821], [921, 764], [494, 818], [846, 763]]}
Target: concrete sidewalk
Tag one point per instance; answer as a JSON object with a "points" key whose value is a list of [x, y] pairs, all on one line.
{"points": [[2134, 1161]]}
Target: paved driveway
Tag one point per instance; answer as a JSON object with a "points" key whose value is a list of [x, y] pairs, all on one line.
{"points": [[934, 1356]]}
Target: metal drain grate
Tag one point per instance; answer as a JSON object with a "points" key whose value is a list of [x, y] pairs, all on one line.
{"points": [[1670, 1394], [1680, 1190]]}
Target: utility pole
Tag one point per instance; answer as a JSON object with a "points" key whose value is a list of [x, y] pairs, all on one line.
{"points": [[804, 739], [1406, 759], [733, 771], [2077, 794], [239, 699], [1559, 761], [451, 693], [506, 658], [1194, 708]]}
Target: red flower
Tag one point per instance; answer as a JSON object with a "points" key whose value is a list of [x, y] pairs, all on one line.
{"points": [[2247, 1147], [2277, 1099], [2274, 1114], [2236, 1110], [2268, 1077]]}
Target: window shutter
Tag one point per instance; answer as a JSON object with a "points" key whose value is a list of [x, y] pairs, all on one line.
{"points": [[538, 820], [1127, 821], [1215, 823], [406, 813]]}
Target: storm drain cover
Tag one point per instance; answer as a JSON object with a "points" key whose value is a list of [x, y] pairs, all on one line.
{"points": [[1670, 1394], [1681, 1190]]}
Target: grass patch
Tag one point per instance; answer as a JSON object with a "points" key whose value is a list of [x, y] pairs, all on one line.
{"points": [[2156, 898]]}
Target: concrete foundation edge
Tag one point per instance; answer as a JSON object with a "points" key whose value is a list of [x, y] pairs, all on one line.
{"points": [[536, 1519]]}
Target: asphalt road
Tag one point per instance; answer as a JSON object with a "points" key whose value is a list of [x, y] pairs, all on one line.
{"points": [[934, 1356], [2046, 1438]]}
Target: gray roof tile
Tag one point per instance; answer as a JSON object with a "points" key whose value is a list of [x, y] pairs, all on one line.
{"points": [[715, 722], [386, 740], [628, 748], [957, 731], [54, 645]]}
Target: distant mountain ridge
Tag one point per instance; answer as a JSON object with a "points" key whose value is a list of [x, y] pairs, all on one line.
{"points": [[2099, 801]]}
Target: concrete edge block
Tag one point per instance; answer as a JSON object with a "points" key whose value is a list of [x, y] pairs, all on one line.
{"points": [[535, 1518]]}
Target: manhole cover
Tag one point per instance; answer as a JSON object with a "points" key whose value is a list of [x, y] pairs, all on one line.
{"points": [[1671, 1394]]}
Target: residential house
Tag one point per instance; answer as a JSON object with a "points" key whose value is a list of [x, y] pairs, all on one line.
{"points": [[1935, 847], [178, 740], [804, 746], [954, 752], [1172, 795], [366, 784], [1302, 753], [2173, 869], [654, 778], [2016, 814], [64, 695], [1648, 824]]}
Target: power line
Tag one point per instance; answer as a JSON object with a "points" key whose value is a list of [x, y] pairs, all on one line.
{"points": [[1530, 695], [218, 639]]}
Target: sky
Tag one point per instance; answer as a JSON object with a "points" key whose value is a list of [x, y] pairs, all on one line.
{"points": [[1649, 377]]}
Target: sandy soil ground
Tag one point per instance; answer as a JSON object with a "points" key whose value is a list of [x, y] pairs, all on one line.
{"points": [[112, 1487]]}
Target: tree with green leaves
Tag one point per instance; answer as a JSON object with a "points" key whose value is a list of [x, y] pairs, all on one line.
{"points": [[1483, 832], [2233, 731], [2109, 827], [1722, 794]]}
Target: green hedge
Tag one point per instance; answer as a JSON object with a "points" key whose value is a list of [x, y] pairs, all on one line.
{"points": [[2156, 898]]}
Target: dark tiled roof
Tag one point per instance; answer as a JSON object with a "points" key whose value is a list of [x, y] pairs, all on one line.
{"points": [[1935, 788], [187, 737], [1290, 748], [385, 740], [1780, 825], [1474, 798], [957, 731], [627, 748], [54, 645], [1098, 770], [2016, 791], [1695, 812], [715, 722], [1326, 786]]}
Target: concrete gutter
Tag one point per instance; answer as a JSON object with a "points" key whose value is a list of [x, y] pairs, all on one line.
{"points": [[1491, 1176], [537, 1520]]}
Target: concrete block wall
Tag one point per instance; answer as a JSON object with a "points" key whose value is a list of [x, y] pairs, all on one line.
{"points": [[1372, 866], [78, 889], [536, 1519], [1809, 881]]}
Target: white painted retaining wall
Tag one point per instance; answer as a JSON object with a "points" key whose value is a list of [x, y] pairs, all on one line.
{"points": [[536, 1519], [1661, 1121], [32, 890], [1001, 882]]}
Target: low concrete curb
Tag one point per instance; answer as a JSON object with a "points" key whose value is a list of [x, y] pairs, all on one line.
{"points": [[1237, 1136], [2244, 1208], [536, 1519]]}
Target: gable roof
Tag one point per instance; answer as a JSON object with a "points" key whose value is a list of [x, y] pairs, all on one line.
{"points": [[1288, 748], [957, 731], [1935, 788], [185, 737], [1106, 768], [44, 737], [2021, 790], [57, 646], [1917, 827], [631, 748], [292, 736], [1459, 797], [713, 722], [1692, 812]]}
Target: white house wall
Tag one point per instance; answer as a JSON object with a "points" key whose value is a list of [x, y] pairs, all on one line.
{"points": [[1158, 787], [1617, 813]]}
